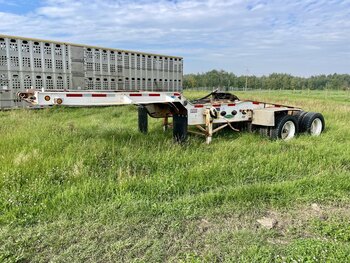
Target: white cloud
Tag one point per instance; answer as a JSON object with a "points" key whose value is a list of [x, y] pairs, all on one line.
{"points": [[267, 35]]}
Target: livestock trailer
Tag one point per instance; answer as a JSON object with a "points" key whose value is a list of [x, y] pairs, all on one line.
{"points": [[27, 63]]}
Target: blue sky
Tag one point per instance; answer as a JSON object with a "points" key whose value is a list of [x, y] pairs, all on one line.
{"points": [[256, 36]]}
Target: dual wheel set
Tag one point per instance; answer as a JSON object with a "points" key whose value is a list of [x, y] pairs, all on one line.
{"points": [[288, 126]]}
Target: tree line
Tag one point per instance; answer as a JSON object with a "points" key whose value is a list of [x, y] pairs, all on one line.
{"points": [[224, 80]]}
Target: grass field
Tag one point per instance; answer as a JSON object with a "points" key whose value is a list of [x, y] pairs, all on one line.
{"points": [[82, 185]]}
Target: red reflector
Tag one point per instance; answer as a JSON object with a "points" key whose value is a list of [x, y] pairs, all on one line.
{"points": [[135, 95], [154, 94], [99, 95], [177, 94], [198, 106], [216, 105], [232, 104], [74, 95], [256, 102]]}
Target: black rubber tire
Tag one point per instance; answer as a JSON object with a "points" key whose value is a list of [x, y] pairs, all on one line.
{"points": [[276, 132], [299, 116], [251, 128], [307, 120], [264, 131]]}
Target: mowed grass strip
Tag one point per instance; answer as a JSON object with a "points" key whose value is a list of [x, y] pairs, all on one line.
{"points": [[82, 184]]}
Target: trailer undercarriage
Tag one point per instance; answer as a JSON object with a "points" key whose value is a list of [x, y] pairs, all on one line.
{"points": [[207, 115]]}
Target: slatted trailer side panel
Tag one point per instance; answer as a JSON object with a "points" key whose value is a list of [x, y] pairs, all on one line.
{"points": [[33, 63]]}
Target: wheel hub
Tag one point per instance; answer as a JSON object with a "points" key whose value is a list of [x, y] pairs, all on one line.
{"points": [[316, 127], [288, 130]]}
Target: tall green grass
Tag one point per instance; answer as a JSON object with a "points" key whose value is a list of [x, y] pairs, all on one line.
{"points": [[82, 184]]}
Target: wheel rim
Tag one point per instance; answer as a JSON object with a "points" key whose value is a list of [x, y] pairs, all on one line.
{"points": [[288, 131], [316, 127]]}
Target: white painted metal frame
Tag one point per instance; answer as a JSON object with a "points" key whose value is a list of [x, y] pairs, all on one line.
{"points": [[234, 112], [100, 98]]}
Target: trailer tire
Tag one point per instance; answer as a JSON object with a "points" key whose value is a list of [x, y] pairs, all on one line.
{"points": [[251, 128], [286, 127], [313, 123], [299, 116], [264, 131]]}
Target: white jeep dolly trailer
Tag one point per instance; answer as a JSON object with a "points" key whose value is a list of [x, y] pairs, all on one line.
{"points": [[209, 114]]}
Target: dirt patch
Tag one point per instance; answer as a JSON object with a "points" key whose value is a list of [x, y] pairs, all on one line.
{"points": [[284, 225], [25, 157]]}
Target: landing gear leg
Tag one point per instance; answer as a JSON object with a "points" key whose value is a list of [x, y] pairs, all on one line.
{"points": [[180, 123], [165, 123], [208, 126], [143, 119]]}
